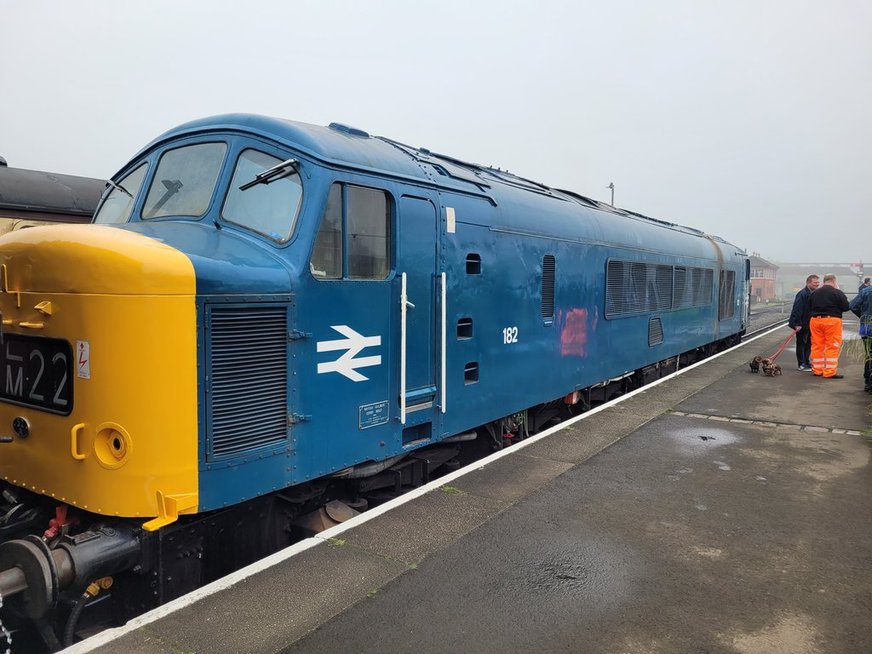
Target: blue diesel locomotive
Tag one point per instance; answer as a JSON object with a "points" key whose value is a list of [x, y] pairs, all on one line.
{"points": [[267, 315]]}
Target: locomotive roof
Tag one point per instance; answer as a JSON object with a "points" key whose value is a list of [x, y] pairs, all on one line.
{"points": [[37, 191], [346, 146]]}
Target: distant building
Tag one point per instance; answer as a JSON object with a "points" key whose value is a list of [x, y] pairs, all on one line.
{"points": [[762, 279], [792, 276]]}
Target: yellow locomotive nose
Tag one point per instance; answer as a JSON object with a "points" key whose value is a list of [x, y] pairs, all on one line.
{"points": [[98, 359]]}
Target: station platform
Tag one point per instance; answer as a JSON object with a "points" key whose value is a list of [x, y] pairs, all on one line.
{"points": [[716, 511]]}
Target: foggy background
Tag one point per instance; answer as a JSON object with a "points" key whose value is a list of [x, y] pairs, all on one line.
{"points": [[746, 119]]}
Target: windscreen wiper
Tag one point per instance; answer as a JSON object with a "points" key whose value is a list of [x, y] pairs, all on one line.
{"points": [[172, 186], [279, 171], [118, 187]]}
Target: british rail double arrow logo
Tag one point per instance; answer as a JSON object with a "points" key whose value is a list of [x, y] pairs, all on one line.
{"points": [[348, 363]]}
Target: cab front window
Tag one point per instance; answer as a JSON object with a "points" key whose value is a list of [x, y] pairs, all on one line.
{"points": [[184, 181], [118, 204], [265, 195]]}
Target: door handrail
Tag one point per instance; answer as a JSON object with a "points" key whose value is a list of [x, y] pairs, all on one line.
{"points": [[442, 403], [403, 301]]}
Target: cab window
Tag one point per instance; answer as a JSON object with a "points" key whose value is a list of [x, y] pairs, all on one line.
{"points": [[184, 181], [267, 204], [354, 238], [327, 256], [118, 204]]}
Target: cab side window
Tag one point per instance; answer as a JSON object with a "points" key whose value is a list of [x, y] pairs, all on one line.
{"points": [[327, 257], [353, 241], [118, 204]]}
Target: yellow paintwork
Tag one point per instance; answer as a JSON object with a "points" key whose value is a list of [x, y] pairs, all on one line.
{"points": [[132, 299], [169, 508]]}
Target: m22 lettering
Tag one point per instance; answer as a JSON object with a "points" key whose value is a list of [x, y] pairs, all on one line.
{"points": [[36, 372], [510, 335]]}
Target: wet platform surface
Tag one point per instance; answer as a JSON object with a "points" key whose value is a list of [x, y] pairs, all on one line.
{"points": [[719, 511]]}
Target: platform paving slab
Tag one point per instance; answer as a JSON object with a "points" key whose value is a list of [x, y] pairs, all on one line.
{"points": [[412, 534], [584, 439], [501, 480], [263, 613]]}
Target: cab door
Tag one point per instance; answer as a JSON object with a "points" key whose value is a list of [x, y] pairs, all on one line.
{"points": [[419, 342]]}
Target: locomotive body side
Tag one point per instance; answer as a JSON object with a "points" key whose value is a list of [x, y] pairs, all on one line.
{"points": [[273, 308], [454, 329], [528, 341]]}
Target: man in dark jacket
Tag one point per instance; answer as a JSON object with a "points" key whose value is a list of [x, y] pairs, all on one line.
{"points": [[827, 304], [799, 317], [862, 306]]}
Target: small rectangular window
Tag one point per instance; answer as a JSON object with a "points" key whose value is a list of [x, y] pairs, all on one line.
{"points": [[548, 271], [368, 232], [473, 264], [326, 262], [470, 373], [464, 328]]}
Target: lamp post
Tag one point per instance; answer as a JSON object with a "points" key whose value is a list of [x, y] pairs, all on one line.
{"points": [[611, 186]]}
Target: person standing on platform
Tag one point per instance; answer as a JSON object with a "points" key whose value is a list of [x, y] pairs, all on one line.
{"points": [[827, 305], [866, 284], [799, 318], [861, 305]]}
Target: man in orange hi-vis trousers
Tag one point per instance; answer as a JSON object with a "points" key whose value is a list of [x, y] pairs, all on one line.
{"points": [[827, 305]]}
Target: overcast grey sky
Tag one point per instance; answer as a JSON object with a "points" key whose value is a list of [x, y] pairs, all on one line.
{"points": [[750, 119]]}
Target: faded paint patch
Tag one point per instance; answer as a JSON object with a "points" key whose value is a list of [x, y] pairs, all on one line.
{"points": [[636, 646], [573, 336], [678, 537], [792, 634], [822, 456], [707, 552]]}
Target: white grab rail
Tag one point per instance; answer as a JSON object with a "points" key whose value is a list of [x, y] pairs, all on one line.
{"points": [[403, 301], [444, 340]]}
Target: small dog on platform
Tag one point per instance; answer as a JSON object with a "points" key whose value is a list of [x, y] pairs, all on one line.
{"points": [[770, 368]]}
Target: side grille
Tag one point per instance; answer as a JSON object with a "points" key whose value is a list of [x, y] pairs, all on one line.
{"points": [[548, 286], [726, 305], [248, 378], [655, 332], [634, 287]]}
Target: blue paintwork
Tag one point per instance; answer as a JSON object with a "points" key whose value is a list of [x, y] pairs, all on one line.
{"points": [[219, 255], [509, 222]]}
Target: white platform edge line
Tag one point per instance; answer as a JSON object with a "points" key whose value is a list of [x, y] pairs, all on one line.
{"points": [[107, 636]]}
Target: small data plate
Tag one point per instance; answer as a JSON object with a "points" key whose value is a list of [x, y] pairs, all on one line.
{"points": [[372, 415]]}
